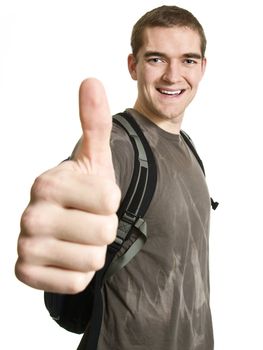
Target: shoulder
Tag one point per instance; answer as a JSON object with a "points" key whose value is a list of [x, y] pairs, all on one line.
{"points": [[122, 156], [120, 142]]}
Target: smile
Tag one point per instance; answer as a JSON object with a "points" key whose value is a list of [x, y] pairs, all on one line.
{"points": [[171, 92]]}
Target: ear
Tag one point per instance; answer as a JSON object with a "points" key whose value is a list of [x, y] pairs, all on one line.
{"points": [[203, 66], [132, 65]]}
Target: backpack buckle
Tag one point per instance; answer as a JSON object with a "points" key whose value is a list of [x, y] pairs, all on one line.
{"points": [[125, 224]]}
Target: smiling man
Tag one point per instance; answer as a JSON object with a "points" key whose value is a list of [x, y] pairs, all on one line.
{"points": [[168, 68], [160, 299]]}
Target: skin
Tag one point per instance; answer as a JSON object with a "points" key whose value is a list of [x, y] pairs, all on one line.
{"points": [[71, 216]]}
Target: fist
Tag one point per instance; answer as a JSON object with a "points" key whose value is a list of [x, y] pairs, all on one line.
{"points": [[71, 216]]}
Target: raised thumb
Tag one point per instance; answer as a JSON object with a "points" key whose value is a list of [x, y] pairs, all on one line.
{"points": [[96, 122]]}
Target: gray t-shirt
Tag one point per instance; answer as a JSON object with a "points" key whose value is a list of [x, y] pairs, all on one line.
{"points": [[160, 300]]}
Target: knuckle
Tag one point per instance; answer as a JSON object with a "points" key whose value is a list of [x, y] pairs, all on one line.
{"points": [[23, 272], [112, 196], [28, 221], [47, 185], [108, 229], [34, 221], [18, 270], [42, 187], [22, 247], [27, 248], [77, 285], [79, 282]]}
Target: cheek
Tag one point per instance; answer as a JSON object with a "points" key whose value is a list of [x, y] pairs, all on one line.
{"points": [[193, 81], [195, 78], [147, 75]]}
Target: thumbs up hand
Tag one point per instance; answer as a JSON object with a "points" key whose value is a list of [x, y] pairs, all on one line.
{"points": [[71, 216]]}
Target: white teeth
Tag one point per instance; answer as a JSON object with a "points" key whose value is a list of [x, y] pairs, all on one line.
{"points": [[177, 92]]}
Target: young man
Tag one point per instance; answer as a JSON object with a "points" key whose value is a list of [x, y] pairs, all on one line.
{"points": [[160, 300]]}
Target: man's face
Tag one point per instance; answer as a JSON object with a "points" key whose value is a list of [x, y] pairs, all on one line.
{"points": [[168, 69]]}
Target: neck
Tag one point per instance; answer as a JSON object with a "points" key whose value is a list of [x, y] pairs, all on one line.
{"points": [[171, 125]]}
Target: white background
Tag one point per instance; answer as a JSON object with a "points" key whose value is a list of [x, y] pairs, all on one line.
{"points": [[46, 49]]}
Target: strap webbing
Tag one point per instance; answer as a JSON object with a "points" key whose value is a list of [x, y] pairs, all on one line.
{"points": [[190, 144], [142, 186]]}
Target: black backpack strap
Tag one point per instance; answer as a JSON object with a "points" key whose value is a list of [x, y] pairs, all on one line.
{"points": [[138, 196], [130, 213], [191, 145]]}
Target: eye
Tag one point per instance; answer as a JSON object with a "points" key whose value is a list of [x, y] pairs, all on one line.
{"points": [[190, 61], [155, 60]]}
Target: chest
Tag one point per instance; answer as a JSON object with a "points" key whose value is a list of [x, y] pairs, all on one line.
{"points": [[181, 186]]}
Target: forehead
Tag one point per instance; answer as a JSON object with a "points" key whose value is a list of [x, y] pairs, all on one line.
{"points": [[172, 40]]}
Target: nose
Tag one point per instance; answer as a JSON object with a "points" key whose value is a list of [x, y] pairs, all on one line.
{"points": [[173, 72]]}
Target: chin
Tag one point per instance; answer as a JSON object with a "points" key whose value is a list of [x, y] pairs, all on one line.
{"points": [[170, 115]]}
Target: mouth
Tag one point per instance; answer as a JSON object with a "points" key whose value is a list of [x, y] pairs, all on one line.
{"points": [[171, 92]]}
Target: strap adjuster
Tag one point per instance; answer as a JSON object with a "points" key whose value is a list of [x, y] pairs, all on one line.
{"points": [[125, 224]]}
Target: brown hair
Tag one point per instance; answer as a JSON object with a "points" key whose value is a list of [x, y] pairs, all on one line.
{"points": [[166, 16]]}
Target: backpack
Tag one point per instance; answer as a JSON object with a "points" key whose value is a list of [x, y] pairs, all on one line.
{"points": [[83, 312]]}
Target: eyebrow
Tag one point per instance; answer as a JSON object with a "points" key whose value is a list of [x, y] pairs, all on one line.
{"points": [[154, 53], [161, 54], [193, 55]]}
